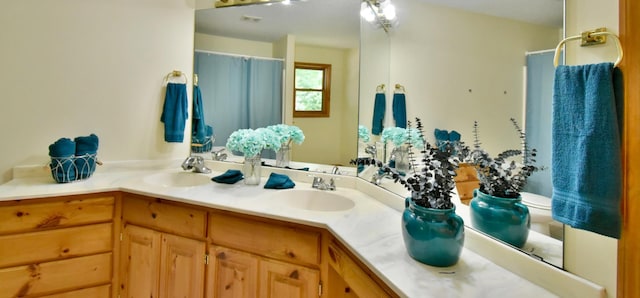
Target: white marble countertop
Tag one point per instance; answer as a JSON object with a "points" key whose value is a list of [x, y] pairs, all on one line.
{"points": [[371, 229]]}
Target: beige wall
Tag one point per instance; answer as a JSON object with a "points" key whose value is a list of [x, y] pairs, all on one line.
{"points": [[334, 139], [233, 45], [439, 54], [75, 67], [587, 254]]}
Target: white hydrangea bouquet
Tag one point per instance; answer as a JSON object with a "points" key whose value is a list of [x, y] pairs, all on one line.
{"points": [[251, 142], [287, 134], [364, 134], [400, 136]]}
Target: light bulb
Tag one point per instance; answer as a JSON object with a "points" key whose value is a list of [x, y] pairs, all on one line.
{"points": [[388, 10], [366, 12]]}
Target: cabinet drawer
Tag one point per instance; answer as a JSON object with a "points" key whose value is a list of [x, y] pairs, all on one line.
{"points": [[55, 244], [279, 241], [25, 216], [357, 279], [55, 276], [163, 216]]}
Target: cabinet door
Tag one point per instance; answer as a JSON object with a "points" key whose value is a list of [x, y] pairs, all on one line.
{"points": [[181, 267], [278, 279], [232, 273], [139, 262]]}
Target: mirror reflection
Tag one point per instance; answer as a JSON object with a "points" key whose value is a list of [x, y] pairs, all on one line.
{"points": [[245, 59], [455, 66]]}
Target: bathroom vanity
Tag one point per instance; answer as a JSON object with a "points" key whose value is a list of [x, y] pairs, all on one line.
{"points": [[149, 229]]}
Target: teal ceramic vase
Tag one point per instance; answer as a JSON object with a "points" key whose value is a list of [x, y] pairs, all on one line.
{"points": [[432, 236], [506, 219]]}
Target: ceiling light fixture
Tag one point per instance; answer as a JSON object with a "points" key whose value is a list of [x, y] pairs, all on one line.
{"points": [[381, 13]]}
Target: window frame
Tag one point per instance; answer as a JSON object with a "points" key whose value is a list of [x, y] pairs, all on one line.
{"points": [[326, 89]]}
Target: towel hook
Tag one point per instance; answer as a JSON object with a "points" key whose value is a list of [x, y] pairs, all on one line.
{"points": [[176, 73], [399, 88], [588, 38]]}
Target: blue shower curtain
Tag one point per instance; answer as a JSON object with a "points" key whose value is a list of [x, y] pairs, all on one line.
{"points": [[239, 92], [540, 74]]}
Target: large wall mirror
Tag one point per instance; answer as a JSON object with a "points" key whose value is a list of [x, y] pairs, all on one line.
{"points": [[456, 66], [324, 32], [487, 63]]}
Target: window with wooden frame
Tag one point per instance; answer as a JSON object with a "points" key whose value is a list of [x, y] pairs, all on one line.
{"points": [[312, 89]]}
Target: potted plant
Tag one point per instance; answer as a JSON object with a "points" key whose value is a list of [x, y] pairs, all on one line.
{"points": [[432, 232], [496, 207]]}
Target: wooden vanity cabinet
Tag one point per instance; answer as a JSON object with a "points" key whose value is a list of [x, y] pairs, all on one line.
{"points": [[162, 249], [466, 181], [255, 257], [349, 278], [58, 246]]}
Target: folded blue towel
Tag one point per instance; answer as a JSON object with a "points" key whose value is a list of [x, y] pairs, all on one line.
{"points": [[586, 162], [229, 177], [400, 110], [279, 181], [62, 154], [454, 136], [198, 126], [85, 159], [379, 106], [174, 112]]}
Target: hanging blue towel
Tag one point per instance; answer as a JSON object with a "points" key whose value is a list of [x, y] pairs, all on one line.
{"points": [[379, 106], [279, 181], [198, 125], [85, 159], [586, 162], [400, 110], [174, 112], [62, 154]]}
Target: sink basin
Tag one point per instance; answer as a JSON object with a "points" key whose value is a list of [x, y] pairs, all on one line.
{"points": [[177, 179], [314, 200]]}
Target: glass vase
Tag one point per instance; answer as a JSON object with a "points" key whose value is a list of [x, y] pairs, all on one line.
{"points": [[401, 158], [283, 156], [251, 169]]}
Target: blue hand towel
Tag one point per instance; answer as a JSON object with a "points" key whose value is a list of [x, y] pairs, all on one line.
{"points": [[198, 126], [85, 159], [454, 136], [586, 162], [379, 106], [229, 177], [279, 181], [174, 112], [400, 110], [62, 154]]}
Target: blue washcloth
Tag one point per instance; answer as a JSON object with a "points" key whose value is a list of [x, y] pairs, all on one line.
{"points": [[174, 112], [62, 154], [442, 136], [198, 126], [586, 162], [85, 159], [279, 181], [229, 177], [400, 110], [379, 106]]}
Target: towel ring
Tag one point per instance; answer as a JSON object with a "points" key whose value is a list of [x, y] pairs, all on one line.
{"points": [[380, 88], [590, 38], [399, 88], [176, 73]]}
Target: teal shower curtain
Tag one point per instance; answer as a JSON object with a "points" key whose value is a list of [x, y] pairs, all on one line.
{"points": [[540, 73], [239, 92]]}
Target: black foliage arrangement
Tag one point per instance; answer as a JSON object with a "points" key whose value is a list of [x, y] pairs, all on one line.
{"points": [[502, 176], [430, 178]]}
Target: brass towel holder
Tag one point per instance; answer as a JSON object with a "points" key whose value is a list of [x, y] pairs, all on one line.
{"points": [[176, 73], [589, 38]]}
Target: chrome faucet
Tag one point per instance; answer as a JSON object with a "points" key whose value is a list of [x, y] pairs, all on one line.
{"points": [[377, 177], [219, 155], [319, 183], [195, 163], [335, 170]]}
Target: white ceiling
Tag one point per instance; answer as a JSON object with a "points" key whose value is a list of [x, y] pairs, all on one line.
{"points": [[336, 22]]}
